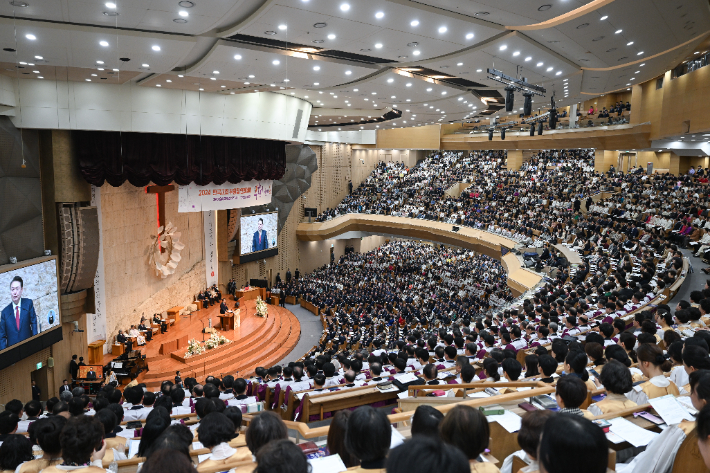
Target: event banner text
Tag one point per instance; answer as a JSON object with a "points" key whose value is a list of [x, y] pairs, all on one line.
{"points": [[194, 198]]}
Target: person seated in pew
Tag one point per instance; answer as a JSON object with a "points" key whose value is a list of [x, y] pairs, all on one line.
{"points": [[215, 433], [227, 391], [548, 367], [528, 438], [137, 411], [703, 432], [281, 456], [426, 421], [511, 371], [618, 353], [16, 450], [368, 438], [467, 429], [177, 395], [240, 394], [115, 446], [235, 415], [695, 357], [300, 382], [616, 379], [155, 424], [572, 443], [424, 455], [319, 382], [652, 363], [571, 392], [336, 438], [660, 453], [168, 459], [82, 445], [46, 433], [264, 428], [576, 365]]}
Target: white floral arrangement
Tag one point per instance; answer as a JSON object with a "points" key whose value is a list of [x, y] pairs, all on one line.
{"points": [[261, 308], [194, 348], [215, 340]]}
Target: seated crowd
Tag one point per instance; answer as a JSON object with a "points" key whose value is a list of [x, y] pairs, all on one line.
{"points": [[421, 314]]}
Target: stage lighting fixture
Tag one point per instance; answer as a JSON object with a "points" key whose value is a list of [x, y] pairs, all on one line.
{"points": [[502, 133], [490, 134], [527, 105], [532, 129], [539, 128], [509, 98]]}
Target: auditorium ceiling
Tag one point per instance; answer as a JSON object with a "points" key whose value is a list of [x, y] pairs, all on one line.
{"points": [[358, 58]]}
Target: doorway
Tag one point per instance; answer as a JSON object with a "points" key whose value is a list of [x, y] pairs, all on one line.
{"points": [[41, 378]]}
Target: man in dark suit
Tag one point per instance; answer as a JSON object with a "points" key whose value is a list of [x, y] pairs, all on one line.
{"points": [[91, 374], [260, 240], [18, 321], [74, 367], [64, 387], [36, 392]]}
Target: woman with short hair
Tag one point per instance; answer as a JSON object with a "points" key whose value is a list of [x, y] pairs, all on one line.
{"points": [[83, 446], [467, 428], [215, 432]]}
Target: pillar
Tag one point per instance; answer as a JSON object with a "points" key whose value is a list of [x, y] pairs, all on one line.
{"points": [[573, 115], [515, 159]]}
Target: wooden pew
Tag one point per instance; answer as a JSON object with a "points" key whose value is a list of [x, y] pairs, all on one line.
{"points": [[319, 404]]}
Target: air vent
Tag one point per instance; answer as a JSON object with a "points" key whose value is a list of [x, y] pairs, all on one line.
{"points": [[320, 25], [583, 25], [544, 7], [598, 38]]}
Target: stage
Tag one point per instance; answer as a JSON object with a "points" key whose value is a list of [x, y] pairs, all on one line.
{"points": [[256, 342]]}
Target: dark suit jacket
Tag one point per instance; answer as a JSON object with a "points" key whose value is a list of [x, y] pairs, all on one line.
{"points": [[91, 375], [257, 245], [9, 335], [63, 388]]}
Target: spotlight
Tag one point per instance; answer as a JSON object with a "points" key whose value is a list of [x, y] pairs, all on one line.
{"points": [[532, 129], [539, 128], [490, 134], [502, 134], [527, 105], [509, 98]]}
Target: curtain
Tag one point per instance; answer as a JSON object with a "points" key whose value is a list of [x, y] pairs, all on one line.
{"points": [[142, 158]]}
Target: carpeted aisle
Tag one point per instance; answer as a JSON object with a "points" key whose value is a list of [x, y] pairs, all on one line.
{"points": [[694, 281], [311, 330]]}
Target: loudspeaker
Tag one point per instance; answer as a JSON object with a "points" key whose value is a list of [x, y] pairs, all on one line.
{"points": [[539, 128], [553, 118], [50, 362], [509, 99], [79, 228], [456, 229], [490, 134], [527, 105], [532, 129], [502, 133]]}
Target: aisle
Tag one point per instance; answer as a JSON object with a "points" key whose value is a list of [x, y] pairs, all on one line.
{"points": [[311, 331]]}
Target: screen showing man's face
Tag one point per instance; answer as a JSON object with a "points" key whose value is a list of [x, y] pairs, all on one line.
{"points": [[261, 225], [16, 291]]}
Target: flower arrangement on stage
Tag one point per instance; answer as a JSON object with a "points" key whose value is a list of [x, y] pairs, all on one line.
{"points": [[261, 309], [215, 340], [194, 348]]}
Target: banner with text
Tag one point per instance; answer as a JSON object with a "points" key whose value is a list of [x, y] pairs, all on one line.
{"points": [[194, 198], [96, 322], [210, 224]]}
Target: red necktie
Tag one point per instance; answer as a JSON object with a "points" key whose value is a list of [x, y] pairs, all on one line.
{"points": [[17, 317]]}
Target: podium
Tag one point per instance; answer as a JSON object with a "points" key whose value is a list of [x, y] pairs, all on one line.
{"points": [[227, 321], [96, 352]]}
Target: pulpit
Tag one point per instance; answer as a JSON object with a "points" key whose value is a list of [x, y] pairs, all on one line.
{"points": [[96, 352]]}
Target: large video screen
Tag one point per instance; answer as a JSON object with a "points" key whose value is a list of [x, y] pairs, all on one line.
{"points": [[29, 301], [258, 233]]}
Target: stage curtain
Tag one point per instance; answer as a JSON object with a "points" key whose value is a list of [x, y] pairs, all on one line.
{"points": [[144, 158]]}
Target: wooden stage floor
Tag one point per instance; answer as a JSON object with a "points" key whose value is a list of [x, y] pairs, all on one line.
{"points": [[256, 342]]}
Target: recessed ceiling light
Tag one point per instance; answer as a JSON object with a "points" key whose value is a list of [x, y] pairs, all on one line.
{"points": [[629, 43], [378, 45], [459, 64], [156, 48], [604, 18], [247, 83], [100, 68], [331, 36], [99, 62], [443, 29], [416, 53], [183, 13], [316, 68], [168, 80], [110, 5], [539, 64], [237, 57], [347, 73], [30, 36], [275, 62], [549, 69], [469, 36], [639, 53], [251, 76], [344, 7], [429, 89], [443, 93], [390, 80], [282, 27], [503, 48], [103, 43], [180, 75], [379, 14], [414, 23], [87, 80], [641, 65], [558, 73], [408, 84], [479, 70], [618, 31], [316, 83], [287, 80], [116, 70], [201, 89], [145, 65], [158, 85]]}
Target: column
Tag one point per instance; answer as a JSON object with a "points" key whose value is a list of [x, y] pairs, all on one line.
{"points": [[515, 159]]}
